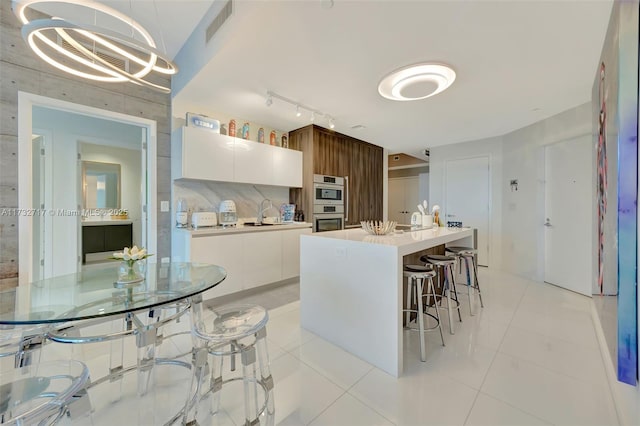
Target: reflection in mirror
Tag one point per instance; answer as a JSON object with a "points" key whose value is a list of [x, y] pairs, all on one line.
{"points": [[100, 185]]}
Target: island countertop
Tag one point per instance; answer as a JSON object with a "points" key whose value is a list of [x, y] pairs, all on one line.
{"points": [[407, 242], [351, 288]]}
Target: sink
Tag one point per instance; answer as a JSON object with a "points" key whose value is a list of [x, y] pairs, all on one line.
{"points": [[259, 224]]}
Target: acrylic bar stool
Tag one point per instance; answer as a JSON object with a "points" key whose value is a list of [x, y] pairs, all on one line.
{"points": [[468, 256], [40, 394], [417, 276], [237, 330], [444, 268]]}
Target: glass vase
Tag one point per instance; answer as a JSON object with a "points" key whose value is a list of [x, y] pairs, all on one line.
{"points": [[131, 271]]}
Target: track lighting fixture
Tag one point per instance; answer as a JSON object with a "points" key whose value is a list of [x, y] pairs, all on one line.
{"points": [[313, 113]]}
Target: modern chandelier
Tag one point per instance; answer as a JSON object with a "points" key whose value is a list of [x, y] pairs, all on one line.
{"points": [[91, 51]]}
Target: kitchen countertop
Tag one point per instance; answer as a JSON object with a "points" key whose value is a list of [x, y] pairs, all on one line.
{"points": [[342, 269], [408, 241], [240, 229]]}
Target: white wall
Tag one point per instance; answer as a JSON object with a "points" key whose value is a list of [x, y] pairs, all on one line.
{"points": [[130, 161], [516, 242], [491, 148], [523, 210], [423, 186]]}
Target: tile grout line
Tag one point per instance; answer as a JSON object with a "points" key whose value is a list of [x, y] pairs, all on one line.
{"points": [[345, 391], [494, 356], [560, 373]]}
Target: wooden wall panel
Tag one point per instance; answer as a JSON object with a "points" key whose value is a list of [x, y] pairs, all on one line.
{"points": [[331, 153]]}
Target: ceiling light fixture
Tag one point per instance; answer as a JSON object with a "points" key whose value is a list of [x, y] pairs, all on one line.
{"points": [[80, 56], [416, 82], [299, 107]]}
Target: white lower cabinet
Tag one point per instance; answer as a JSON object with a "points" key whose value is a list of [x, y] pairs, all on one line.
{"points": [[223, 250], [291, 253], [262, 258], [252, 259]]}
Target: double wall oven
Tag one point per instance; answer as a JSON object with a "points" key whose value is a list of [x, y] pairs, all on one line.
{"points": [[328, 203]]}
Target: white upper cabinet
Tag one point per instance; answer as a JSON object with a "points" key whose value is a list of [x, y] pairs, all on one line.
{"points": [[205, 155], [202, 154], [287, 167], [253, 162]]}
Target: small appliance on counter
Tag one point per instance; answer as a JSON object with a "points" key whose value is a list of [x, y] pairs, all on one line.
{"points": [[182, 213], [228, 214], [203, 219], [287, 212]]}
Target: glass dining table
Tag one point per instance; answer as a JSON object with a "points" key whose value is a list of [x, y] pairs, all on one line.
{"points": [[56, 309]]}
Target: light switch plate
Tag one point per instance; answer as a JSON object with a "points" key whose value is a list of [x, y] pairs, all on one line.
{"points": [[164, 206]]}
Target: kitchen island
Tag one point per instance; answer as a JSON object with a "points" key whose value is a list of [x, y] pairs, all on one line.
{"points": [[351, 288]]}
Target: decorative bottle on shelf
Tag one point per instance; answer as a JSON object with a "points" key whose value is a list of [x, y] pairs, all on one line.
{"points": [[272, 138], [261, 135], [245, 131], [285, 141], [223, 129], [232, 128]]}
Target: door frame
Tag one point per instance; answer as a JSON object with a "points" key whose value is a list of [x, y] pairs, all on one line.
{"points": [[544, 234], [443, 212], [26, 102]]}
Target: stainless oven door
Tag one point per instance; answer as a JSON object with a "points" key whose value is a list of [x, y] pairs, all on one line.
{"points": [[328, 222], [328, 194]]}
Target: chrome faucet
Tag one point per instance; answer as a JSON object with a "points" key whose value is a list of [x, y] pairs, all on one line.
{"points": [[262, 209]]}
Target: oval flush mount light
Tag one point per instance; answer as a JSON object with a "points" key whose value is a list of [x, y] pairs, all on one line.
{"points": [[416, 82]]}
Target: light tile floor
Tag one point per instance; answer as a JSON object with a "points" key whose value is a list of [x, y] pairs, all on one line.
{"points": [[529, 357]]}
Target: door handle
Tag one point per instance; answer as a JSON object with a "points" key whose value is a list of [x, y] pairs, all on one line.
{"points": [[547, 223], [346, 201]]}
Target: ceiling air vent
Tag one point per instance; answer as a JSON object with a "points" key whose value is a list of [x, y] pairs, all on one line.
{"points": [[222, 17], [358, 127], [117, 60]]}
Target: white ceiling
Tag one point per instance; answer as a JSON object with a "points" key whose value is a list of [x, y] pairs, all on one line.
{"points": [[517, 62]]}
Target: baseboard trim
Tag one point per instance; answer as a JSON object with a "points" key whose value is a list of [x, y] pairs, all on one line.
{"points": [[228, 298]]}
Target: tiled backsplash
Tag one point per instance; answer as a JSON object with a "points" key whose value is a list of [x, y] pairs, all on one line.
{"points": [[206, 196]]}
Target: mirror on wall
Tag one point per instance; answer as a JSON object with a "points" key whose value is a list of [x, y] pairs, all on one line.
{"points": [[100, 185]]}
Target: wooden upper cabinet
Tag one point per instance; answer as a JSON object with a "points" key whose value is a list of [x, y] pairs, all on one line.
{"points": [[365, 182], [330, 153]]}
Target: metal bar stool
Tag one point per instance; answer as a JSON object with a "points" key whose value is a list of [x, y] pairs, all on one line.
{"points": [[416, 277], [444, 268], [236, 330], [40, 394], [468, 255]]}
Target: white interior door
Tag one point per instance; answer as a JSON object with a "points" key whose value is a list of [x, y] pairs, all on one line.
{"points": [[467, 199], [411, 196], [568, 212], [403, 198]]}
